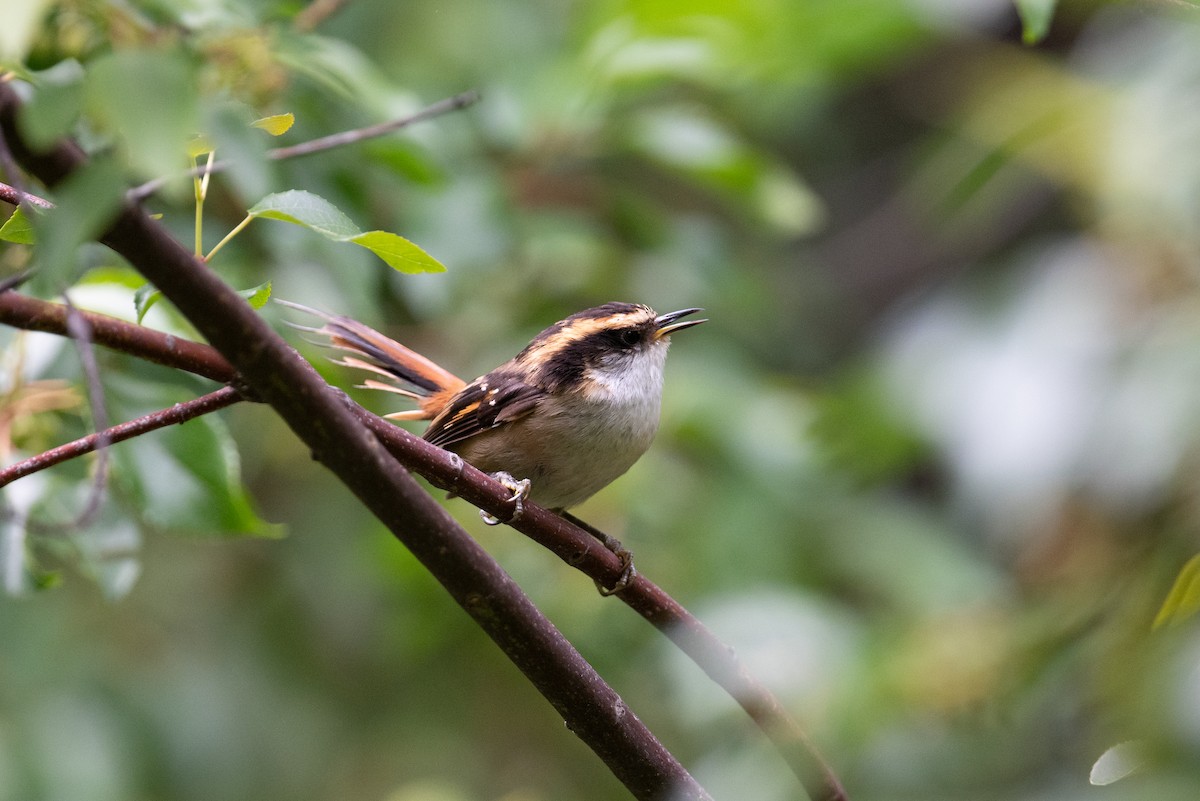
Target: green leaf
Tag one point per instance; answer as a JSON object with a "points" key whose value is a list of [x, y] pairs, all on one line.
{"points": [[1183, 600], [258, 296], [146, 296], [17, 229], [144, 299], [55, 105], [318, 214], [85, 204], [205, 448], [277, 124], [118, 274], [109, 551], [227, 127], [312, 211], [187, 479], [399, 253], [1035, 19], [147, 101]]}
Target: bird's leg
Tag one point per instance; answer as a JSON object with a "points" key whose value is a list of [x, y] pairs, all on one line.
{"points": [[519, 490], [628, 571]]}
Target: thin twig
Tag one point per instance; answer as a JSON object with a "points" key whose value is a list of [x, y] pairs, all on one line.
{"points": [[14, 281], [276, 373], [179, 413], [31, 314], [580, 548], [12, 172], [455, 103], [574, 546], [13, 195], [459, 101], [81, 335]]}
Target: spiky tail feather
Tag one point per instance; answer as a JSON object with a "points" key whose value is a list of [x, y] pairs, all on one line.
{"points": [[423, 381]]}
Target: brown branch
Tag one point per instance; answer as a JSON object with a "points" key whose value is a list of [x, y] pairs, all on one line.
{"points": [[445, 106], [179, 413], [449, 104], [81, 334], [320, 418], [13, 195], [582, 551], [30, 314]]}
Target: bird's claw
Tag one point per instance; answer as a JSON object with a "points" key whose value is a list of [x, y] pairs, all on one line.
{"points": [[520, 491], [628, 571]]}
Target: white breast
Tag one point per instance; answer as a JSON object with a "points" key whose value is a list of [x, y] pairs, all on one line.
{"points": [[579, 442]]}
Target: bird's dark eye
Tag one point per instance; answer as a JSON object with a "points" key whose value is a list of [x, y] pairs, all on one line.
{"points": [[631, 337]]}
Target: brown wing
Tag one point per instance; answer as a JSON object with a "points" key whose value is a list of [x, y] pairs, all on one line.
{"points": [[484, 404]]}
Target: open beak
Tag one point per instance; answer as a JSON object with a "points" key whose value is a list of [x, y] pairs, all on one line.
{"points": [[666, 323]]}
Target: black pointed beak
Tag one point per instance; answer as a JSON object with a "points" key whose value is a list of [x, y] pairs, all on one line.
{"points": [[666, 324]]}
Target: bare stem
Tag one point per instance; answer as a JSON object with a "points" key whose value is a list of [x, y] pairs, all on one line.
{"points": [[337, 439], [81, 335], [31, 314], [13, 195], [573, 545], [179, 413], [455, 103], [226, 239], [459, 101]]}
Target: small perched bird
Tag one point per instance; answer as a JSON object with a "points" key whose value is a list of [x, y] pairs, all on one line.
{"points": [[565, 416]]}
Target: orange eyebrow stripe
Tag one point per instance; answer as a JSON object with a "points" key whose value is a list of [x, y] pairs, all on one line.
{"points": [[577, 330]]}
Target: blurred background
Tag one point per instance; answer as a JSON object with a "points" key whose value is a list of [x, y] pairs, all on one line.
{"points": [[931, 467]]}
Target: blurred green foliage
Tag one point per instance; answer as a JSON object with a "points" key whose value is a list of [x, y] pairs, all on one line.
{"points": [[931, 467]]}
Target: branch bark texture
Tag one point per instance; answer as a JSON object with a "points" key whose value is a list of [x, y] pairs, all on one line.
{"points": [[179, 413], [570, 543], [337, 438]]}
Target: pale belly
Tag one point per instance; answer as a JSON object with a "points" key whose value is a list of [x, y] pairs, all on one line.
{"points": [[570, 456]]}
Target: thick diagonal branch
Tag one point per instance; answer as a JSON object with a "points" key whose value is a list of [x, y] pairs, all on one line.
{"points": [[281, 378], [571, 544]]}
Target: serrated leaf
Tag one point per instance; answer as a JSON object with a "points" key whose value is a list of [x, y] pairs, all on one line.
{"points": [[318, 214], [144, 298], [1183, 600], [1035, 19], [276, 124], [17, 229], [304, 208], [400, 253], [258, 296]]}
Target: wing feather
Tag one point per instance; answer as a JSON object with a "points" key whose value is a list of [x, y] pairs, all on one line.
{"points": [[494, 400]]}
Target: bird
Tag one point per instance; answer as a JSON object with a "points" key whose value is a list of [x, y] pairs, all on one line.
{"points": [[558, 422]]}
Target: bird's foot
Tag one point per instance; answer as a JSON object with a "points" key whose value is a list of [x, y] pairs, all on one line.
{"points": [[520, 491], [628, 571]]}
